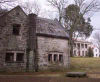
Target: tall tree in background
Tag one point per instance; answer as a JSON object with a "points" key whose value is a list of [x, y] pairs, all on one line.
{"points": [[90, 52], [88, 7], [59, 5], [75, 23]]}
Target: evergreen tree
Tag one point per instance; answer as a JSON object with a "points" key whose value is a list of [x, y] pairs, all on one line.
{"points": [[90, 52]]}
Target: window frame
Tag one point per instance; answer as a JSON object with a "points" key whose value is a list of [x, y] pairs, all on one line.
{"points": [[22, 57], [55, 57], [9, 60], [16, 29], [15, 54]]}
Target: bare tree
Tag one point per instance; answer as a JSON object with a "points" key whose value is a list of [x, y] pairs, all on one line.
{"points": [[97, 40], [75, 21], [3, 11], [31, 7], [59, 5], [5, 3], [88, 7]]}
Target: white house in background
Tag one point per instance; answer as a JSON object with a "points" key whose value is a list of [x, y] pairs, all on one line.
{"points": [[96, 51], [81, 47]]}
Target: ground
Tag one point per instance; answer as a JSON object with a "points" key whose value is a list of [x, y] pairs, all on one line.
{"points": [[89, 65], [44, 79]]}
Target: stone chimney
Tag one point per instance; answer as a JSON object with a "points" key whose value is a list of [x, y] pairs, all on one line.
{"points": [[32, 41], [32, 30]]}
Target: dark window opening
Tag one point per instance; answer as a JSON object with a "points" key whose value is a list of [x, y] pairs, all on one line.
{"points": [[78, 45], [60, 58], [82, 45], [16, 29], [75, 45], [50, 57], [75, 52], [20, 57], [83, 53], [55, 57], [85, 45], [9, 57]]}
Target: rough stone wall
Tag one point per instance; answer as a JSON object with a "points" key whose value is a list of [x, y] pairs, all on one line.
{"points": [[14, 43], [47, 45]]}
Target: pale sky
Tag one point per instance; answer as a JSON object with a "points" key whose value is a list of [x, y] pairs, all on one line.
{"points": [[95, 20]]}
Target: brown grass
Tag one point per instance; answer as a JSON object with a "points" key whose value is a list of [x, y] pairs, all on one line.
{"points": [[85, 64]]}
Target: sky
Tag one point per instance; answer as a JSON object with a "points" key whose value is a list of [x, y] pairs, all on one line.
{"points": [[95, 19]]}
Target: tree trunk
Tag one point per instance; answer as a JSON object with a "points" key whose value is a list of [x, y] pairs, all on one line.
{"points": [[71, 44]]}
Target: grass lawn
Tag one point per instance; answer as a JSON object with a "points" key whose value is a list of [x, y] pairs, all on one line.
{"points": [[89, 65], [85, 64]]}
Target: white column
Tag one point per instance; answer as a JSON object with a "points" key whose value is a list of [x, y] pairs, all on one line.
{"points": [[15, 54]]}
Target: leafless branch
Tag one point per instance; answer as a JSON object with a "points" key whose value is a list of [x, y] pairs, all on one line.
{"points": [[97, 38], [31, 7], [88, 7], [60, 5]]}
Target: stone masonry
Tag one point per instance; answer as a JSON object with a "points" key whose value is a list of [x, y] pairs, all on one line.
{"points": [[51, 39]]}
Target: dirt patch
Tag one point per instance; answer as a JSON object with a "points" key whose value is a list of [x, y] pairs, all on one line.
{"points": [[44, 79]]}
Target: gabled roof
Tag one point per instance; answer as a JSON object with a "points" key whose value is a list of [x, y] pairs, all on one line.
{"points": [[50, 28], [3, 17], [45, 26]]}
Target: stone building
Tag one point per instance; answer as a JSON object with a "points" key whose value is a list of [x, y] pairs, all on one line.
{"points": [[28, 41], [81, 48]]}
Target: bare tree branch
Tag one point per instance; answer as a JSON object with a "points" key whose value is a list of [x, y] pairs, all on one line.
{"points": [[6, 3], [88, 7], [97, 39], [31, 7], [60, 5]]}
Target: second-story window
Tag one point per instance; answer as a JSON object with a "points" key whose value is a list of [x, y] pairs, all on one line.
{"points": [[16, 29], [85, 45], [78, 45], [82, 45]]}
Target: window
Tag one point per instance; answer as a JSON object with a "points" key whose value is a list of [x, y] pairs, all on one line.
{"points": [[50, 57], [75, 52], [16, 29], [96, 55], [60, 58], [96, 50], [9, 57], [85, 45], [83, 53], [20, 57], [78, 53], [75, 45], [86, 53], [55, 57], [82, 45], [78, 45]]}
